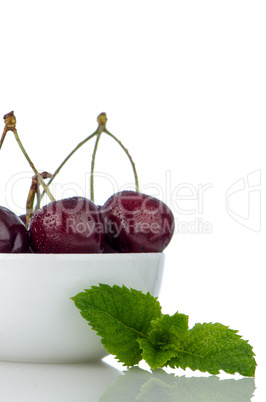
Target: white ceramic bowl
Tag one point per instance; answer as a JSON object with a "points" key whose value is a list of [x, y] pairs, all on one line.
{"points": [[38, 320]]}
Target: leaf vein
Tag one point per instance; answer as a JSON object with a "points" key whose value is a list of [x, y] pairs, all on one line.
{"points": [[120, 322]]}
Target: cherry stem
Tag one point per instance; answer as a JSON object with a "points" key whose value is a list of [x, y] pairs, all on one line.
{"points": [[69, 155], [100, 130], [102, 119], [3, 136], [29, 206], [129, 157], [35, 185], [34, 191], [10, 125], [45, 187]]}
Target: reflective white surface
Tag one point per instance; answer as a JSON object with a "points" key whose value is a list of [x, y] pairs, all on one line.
{"points": [[54, 382], [39, 321], [100, 382], [141, 385]]}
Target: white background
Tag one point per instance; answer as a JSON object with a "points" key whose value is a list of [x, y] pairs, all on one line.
{"points": [[183, 85]]}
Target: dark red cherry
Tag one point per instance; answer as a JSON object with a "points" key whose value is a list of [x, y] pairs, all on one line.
{"points": [[136, 223], [14, 237], [107, 248], [23, 218], [71, 225]]}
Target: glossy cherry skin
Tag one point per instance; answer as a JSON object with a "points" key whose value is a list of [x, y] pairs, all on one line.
{"points": [[14, 237], [23, 218], [107, 248], [137, 223], [71, 225]]}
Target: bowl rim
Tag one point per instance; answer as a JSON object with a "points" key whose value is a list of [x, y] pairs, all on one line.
{"points": [[81, 256]]}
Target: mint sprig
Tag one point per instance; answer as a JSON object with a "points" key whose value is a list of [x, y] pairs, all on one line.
{"points": [[133, 328], [121, 317], [214, 347]]}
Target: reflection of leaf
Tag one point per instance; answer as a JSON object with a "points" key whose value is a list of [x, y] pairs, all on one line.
{"points": [[126, 387], [157, 390], [140, 385]]}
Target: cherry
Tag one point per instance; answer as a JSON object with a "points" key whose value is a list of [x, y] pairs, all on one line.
{"points": [[71, 225], [128, 222], [14, 237], [136, 222], [107, 248], [23, 217]]}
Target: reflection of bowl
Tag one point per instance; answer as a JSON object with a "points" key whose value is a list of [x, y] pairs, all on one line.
{"points": [[25, 382], [38, 320]]}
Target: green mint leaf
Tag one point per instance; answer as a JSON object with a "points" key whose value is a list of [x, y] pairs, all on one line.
{"points": [[132, 327], [154, 356], [214, 347], [169, 329], [120, 316], [163, 340]]}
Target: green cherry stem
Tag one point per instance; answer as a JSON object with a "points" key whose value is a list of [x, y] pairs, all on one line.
{"points": [[129, 157], [69, 155], [96, 132], [102, 119], [29, 206], [3, 136], [10, 125], [34, 191], [45, 187], [100, 130]]}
